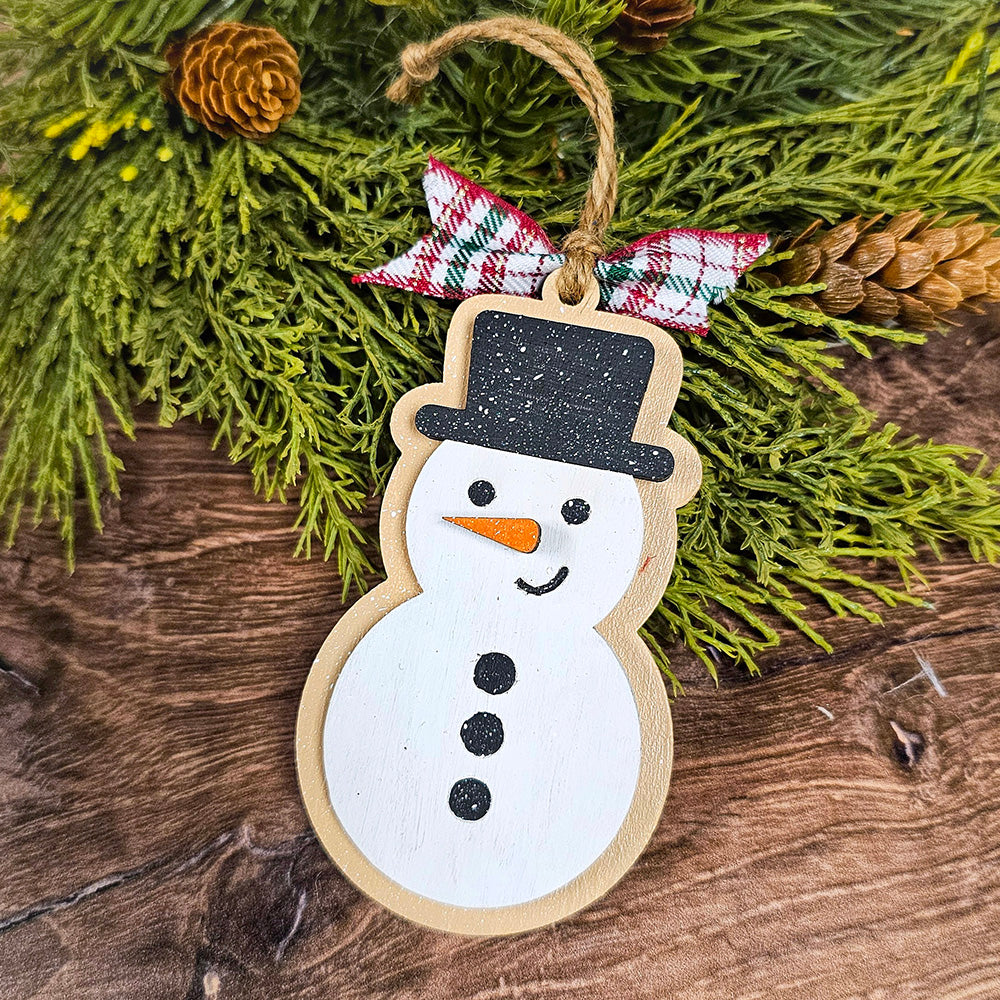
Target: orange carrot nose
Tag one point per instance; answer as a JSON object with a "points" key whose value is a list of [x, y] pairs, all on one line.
{"points": [[520, 533]]}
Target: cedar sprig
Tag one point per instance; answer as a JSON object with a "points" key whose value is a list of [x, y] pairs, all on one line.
{"points": [[149, 262]]}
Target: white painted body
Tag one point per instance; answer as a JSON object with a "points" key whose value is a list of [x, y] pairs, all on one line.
{"points": [[561, 783], [564, 778]]}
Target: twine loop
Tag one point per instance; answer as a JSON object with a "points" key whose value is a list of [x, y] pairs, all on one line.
{"points": [[420, 63], [583, 249], [419, 68]]}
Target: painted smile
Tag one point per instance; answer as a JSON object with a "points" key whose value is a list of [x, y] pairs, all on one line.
{"points": [[545, 588]]}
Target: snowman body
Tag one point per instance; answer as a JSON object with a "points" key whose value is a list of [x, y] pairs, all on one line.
{"points": [[482, 742]]}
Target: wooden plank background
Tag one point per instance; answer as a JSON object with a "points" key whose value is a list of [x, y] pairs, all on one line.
{"points": [[152, 843]]}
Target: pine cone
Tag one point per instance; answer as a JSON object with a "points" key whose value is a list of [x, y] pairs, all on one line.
{"points": [[643, 25], [235, 78], [910, 271]]}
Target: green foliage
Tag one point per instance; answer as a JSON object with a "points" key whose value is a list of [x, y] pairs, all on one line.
{"points": [[143, 258]]}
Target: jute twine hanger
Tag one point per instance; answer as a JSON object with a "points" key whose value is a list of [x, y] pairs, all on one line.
{"points": [[420, 64]]}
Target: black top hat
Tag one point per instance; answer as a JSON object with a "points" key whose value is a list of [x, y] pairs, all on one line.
{"points": [[556, 391]]}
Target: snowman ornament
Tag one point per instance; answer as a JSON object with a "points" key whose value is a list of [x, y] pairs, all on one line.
{"points": [[484, 741]]}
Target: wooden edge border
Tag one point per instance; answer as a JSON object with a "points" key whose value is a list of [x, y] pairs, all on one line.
{"points": [[659, 500]]}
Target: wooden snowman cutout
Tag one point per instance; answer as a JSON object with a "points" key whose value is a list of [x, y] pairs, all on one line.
{"points": [[484, 742]]}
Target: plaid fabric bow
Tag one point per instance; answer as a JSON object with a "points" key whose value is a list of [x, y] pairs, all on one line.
{"points": [[480, 243]]}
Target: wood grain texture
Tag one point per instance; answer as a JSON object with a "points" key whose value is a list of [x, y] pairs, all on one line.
{"points": [[152, 842]]}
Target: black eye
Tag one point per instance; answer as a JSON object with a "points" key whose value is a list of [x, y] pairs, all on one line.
{"points": [[482, 493], [575, 511]]}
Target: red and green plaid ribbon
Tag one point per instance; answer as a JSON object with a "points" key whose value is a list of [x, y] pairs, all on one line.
{"points": [[480, 243]]}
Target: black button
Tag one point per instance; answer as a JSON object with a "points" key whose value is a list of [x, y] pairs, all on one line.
{"points": [[495, 673], [482, 734], [469, 799]]}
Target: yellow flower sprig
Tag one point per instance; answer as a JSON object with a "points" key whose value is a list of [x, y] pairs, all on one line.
{"points": [[56, 129], [98, 131], [13, 208]]}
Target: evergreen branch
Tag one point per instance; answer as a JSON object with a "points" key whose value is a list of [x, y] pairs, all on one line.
{"points": [[142, 258]]}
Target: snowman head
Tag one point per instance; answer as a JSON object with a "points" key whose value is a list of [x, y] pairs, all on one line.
{"points": [[527, 535], [531, 499]]}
